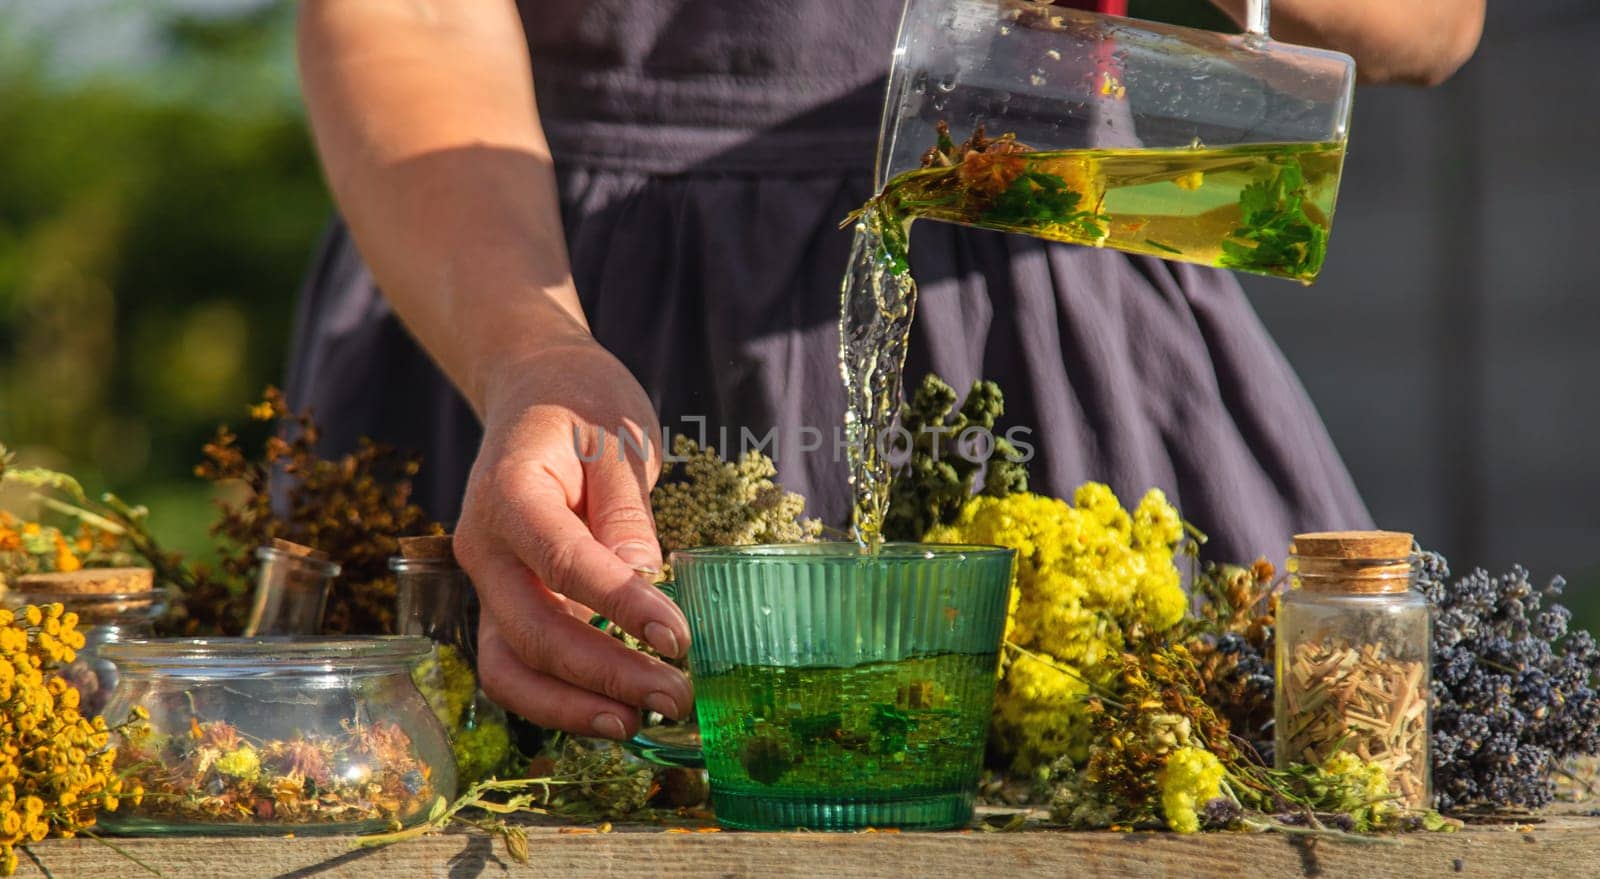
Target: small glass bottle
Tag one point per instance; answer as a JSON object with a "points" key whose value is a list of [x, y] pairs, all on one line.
{"points": [[436, 600], [1354, 658], [113, 605], [292, 587]]}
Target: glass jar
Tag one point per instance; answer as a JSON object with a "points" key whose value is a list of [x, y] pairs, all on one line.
{"points": [[292, 586], [1354, 659], [436, 600], [104, 617], [265, 735]]}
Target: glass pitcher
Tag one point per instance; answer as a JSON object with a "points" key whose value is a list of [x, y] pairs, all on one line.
{"points": [[1021, 116]]}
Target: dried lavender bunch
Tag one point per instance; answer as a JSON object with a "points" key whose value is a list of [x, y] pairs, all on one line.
{"points": [[1514, 690]]}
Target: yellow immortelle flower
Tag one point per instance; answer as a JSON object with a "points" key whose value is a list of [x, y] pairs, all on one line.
{"points": [[1088, 573], [1191, 778]]}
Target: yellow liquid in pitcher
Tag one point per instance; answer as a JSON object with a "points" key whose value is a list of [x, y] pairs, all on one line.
{"points": [[1263, 208]]}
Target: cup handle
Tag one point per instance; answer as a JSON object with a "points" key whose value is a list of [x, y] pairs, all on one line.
{"points": [[669, 746], [666, 745]]}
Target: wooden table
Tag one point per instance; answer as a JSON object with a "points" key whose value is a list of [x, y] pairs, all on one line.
{"points": [[1559, 847]]}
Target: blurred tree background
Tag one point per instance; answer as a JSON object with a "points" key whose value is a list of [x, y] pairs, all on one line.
{"points": [[159, 201]]}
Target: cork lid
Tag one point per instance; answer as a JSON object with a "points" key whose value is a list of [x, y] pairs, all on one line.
{"points": [[1353, 545], [434, 547], [89, 581], [1352, 561], [298, 550]]}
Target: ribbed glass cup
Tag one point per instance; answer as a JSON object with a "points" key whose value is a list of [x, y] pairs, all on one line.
{"points": [[838, 689]]}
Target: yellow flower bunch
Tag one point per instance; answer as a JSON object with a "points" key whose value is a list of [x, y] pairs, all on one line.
{"points": [[1191, 778], [1089, 575], [56, 766]]}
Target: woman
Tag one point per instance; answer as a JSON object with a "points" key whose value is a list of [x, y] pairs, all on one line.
{"points": [[655, 240]]}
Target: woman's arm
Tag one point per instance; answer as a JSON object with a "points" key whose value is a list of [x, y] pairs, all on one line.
{"points": [[1421, 42], [423, 113]]}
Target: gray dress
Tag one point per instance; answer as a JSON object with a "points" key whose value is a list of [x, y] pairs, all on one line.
{"points": [[706, 151]]}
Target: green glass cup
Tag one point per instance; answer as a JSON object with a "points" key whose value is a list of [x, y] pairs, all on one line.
{"points": [[837, 689]]}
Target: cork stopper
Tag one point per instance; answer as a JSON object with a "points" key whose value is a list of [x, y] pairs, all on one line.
{"points": [[434, 547], [298, 550], [89, 581], [1352, 561]]}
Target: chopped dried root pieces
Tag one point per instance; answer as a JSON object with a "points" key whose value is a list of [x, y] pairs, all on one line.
{"points": [[1354, 697]]}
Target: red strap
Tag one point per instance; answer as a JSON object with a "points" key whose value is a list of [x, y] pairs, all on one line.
{"points": [[1109, 7]]}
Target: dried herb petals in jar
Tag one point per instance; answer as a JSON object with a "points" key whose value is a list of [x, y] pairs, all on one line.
{"points": [[271, 735], [1353, 658]]}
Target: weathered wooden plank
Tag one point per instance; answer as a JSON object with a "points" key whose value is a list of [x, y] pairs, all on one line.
{"points": [[1561, 848]]}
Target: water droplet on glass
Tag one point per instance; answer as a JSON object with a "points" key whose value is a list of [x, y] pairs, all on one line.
{"points": [[938, 102], [1005, 30], [947, 84], [766, 611], [1037, 79], [1053, 54]]}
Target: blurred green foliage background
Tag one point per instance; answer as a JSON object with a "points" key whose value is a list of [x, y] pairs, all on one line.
{"points": [[157, 209]]}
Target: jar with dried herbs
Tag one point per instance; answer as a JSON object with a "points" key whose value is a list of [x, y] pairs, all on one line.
{"points": [[1353, 659], [270, 735], [111, 605]]}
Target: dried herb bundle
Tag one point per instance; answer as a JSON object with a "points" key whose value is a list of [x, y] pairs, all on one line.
{"points": [[1356, 698], [940, 475], [703, 500], [1233, 635], [1515, 686], [354, 508]]}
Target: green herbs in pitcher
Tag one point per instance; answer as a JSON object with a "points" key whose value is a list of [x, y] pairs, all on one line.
{"points": [[1260, 207]]}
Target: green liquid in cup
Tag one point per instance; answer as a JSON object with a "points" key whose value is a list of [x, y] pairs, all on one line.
{"points": [[836, 689], [903, 740]]}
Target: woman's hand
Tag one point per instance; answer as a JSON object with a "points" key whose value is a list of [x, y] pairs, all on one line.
{"points": [[555, 527], [1420, 42]]}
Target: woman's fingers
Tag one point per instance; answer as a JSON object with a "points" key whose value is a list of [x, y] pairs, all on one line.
{"points": [[541, 633], [558, 547], [544, 699]]}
